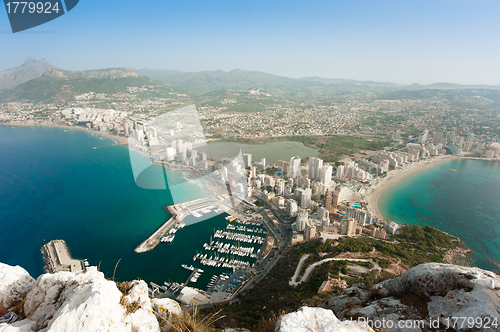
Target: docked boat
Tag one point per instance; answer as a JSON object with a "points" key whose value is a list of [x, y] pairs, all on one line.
{"points": [[196, 214], [188, 267]]}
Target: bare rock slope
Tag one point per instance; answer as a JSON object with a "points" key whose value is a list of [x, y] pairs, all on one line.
{"points": [[66, 301], [438, 296]]}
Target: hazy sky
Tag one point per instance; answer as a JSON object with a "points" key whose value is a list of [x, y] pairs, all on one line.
{"points": [[400, 41]]}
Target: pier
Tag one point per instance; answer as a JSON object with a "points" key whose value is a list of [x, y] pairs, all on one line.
{"points": [[58, 258], [179, 212], [155, 238]]}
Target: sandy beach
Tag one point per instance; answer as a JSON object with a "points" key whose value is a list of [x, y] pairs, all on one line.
{"points": [[374, 191], [118, 139]]}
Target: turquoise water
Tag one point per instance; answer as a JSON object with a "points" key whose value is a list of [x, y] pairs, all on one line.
{"points": [[53, 185], [465, 203]]}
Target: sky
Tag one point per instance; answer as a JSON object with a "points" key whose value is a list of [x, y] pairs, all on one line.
{"points": [[396, 41]]}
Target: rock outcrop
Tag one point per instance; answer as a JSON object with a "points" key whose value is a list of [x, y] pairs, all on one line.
{"points": [[66, 301], [434, 295], [317, 320]]}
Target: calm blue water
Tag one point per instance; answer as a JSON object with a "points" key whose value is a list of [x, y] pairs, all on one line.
{"points": [[465, 203], [53, 185]]}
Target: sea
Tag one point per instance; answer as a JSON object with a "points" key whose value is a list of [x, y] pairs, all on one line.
{"points": [[55, 185], [460, 197], [58, 183]]}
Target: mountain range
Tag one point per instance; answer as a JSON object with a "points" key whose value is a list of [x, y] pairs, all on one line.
{"points": [[18, 82]]}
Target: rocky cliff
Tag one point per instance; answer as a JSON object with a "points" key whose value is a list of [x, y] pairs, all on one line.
{"points": [[83, 302], [428, 297]]}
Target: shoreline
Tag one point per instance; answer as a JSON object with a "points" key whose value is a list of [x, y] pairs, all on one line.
{"points": [[395, 176], [119, 140]]}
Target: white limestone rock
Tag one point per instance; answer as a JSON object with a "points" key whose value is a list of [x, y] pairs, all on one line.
{"points": [[454, 291], [15, 282], [166, 309], [79, 302], [317, 320]]}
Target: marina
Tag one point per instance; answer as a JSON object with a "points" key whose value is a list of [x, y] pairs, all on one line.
{"points": [[196, 208], [229, 255]]}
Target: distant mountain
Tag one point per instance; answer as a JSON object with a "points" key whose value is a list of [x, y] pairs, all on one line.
{"points": [[32, 69], [111, 73], [450, 86], [346, 81], [29, 70], [218, 79], [55, 88]]}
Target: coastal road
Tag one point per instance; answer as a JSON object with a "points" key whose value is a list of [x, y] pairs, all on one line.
{"points": [[292, 282], [311, 267]]}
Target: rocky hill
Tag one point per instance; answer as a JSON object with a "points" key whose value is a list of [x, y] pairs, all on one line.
{"points": [[438, 296], [29, 70]]}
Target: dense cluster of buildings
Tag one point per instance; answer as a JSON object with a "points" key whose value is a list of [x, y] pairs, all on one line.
{"points": [[319, 198], [457, 144]]}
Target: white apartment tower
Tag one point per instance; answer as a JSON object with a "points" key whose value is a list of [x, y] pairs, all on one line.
{"points": [[314, 166], [247, 159], [326, 174], [294, 169]]}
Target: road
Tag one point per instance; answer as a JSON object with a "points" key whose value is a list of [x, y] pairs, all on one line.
{"points": [[311, 267]]}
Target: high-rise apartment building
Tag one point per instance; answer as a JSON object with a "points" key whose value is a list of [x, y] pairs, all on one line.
{"points": [[247, 159], [309, 233], [314, 166], [328, 201], [305, 200], [470, 137], [423, 137], [348, 227], [326, 174], [438, 136], [294, 169], [302, 219], [291, 207]]}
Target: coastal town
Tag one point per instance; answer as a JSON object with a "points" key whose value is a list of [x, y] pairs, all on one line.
{"points": [[292, 201], [361, 143]]}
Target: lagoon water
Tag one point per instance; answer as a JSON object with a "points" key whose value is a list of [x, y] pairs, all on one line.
{"points": [[465, 203], [275, 151]]}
